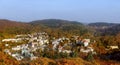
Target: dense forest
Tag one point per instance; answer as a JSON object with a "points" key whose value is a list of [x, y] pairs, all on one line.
{"points": [[102, 35]]}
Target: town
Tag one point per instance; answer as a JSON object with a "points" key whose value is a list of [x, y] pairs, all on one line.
{"points": [[42, 41]]}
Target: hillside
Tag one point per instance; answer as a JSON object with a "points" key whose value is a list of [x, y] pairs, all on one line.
{"points": [[112, 30], [51, 25], [12, 27], [61, 25], [101, 25], [55, 22], [8, 23], [55, 27], [63, 61], [105, 28]]}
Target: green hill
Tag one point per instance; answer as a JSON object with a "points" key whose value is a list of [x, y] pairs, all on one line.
{"points": [[54, 27], [71, 27]]}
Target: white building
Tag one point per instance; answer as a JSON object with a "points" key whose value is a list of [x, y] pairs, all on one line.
{"points": [[113, 47], [16, 48], [86, 42]]}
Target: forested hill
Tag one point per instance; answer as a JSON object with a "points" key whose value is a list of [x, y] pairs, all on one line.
{"points": [[12, 27], [100, 25], [55, 23], [114, 30], [61, 25], [105, 28], [8, 23]]}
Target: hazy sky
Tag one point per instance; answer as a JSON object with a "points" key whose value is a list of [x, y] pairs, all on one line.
{"points": [[75, 10]]}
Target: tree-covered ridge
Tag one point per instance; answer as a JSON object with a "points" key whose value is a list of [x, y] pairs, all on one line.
{"points": [[8, 23], [9, 28], [61, 26], [51, 25], [114, 30], [101, 24], [55, 22], [105, 28]]}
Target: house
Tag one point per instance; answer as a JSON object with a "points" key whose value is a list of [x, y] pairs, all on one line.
{"points": [[33, 44], [55, 43], [60, 48], [7, 40], [16, 48], [67, 51], [89, 49], [11, 40], [113, 47], [20, 36], [17, 56], [6, 45], [7, 51], [46, 41], [86, 42], [26, 53], [33, 58]]}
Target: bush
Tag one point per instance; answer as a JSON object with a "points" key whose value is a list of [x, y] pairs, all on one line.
{"points": [[64, 55], [73, 54], [90, 57]]}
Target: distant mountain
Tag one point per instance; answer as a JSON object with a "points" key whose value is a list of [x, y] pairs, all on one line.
{"points": [[112, 30], [55, 22], [101, 25], [105, 28]]}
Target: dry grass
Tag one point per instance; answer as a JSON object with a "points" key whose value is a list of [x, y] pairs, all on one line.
{"points": [[70, 61]]}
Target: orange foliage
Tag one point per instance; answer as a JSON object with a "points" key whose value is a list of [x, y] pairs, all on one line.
{"points": [[70, 61], [7, 60]]}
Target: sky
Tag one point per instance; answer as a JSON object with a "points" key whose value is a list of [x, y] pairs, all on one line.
{"points": [[85, 11]]}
